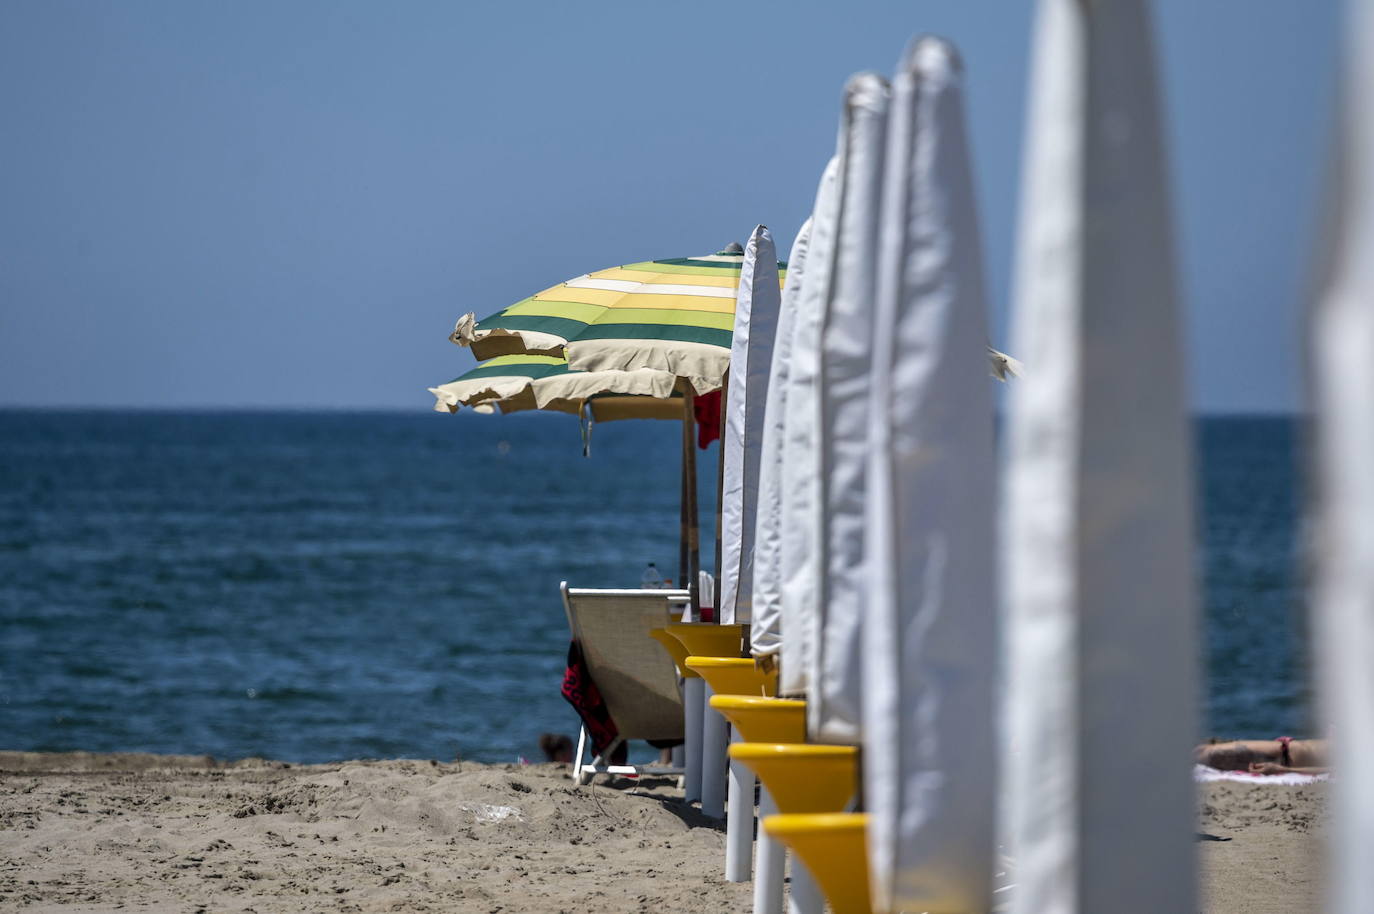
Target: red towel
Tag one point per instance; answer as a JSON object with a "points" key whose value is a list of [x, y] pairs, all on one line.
{"points": [[586, 700], [585, 697], [708, 418]]}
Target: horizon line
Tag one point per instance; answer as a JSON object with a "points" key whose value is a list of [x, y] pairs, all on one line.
{"points": [[1210, 413]]}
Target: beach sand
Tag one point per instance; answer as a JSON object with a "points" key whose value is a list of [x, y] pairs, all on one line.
{"points": [[93, 832], [1273, 862]]}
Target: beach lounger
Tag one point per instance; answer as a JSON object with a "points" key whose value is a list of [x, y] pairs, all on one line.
{"points": [[635, 675]]}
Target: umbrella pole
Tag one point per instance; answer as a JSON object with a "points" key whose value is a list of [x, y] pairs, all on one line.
{"points": [[683, 502], [689, 496], [720, 491]]}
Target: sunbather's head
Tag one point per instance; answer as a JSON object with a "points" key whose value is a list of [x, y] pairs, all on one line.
{"points": [[556, 746]]}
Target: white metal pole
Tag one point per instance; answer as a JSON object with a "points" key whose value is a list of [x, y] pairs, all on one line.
{"points": [[806, 897], [739, 823], [768, 863], [713, 740], [693, 705]]}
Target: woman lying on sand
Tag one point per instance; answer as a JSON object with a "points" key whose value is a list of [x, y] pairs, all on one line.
{"points": [[1284, 755]]}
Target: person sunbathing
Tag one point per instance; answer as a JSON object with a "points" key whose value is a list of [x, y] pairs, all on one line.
{"points": [[1284, 755], [557, 747]]}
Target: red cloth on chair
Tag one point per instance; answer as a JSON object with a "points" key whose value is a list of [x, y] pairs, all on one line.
{"points": [[585, 697]]}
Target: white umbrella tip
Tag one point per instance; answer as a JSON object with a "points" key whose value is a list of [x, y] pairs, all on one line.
{"points": [[465, 331], [931, 57], [866, 90], [1003, 365]]}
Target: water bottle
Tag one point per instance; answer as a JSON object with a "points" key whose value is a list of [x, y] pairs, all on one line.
{"points": [[651, 579]]}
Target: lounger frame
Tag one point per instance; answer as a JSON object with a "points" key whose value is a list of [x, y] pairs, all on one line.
{"points": [[635, 675]]}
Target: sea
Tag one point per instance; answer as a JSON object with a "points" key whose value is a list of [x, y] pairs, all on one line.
{"points": [[322, 586]]}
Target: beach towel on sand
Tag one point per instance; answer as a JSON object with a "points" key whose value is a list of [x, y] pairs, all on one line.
{"points": [[1202, 774]]}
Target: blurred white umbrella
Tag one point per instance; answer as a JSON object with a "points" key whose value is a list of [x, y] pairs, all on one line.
{"points": [[845, 356], [756, 317], [799, 519], [765, 630], [1342, 363], [930, 637], [751, 353], [1098, 537]]}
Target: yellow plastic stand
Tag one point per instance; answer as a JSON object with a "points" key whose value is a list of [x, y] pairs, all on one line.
{"points": [[734, 676], [834, 849], [706, 639], [803, 777], [764, 720], [676, 649]]}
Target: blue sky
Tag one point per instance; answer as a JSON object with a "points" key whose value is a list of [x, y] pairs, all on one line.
{"points": [[288, 204]]}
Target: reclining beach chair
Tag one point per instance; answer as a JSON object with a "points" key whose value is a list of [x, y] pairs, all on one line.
{"points": [[635, 675]]}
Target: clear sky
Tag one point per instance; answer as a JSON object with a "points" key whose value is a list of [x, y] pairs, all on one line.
{"points": [[289, 204]]}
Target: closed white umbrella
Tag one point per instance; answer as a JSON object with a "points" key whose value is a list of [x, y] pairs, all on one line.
{"points": [[930, 637], [799, 517], [757, 301], [1342, 363], [756, 317], [765, 630], [845, 357], [1098, 538]]}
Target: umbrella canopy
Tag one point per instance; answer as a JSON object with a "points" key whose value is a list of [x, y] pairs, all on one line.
{"points": [[514, 383], [671, 315]]}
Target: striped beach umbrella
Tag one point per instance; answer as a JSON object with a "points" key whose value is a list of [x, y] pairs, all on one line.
{"points": [[672, 315]]}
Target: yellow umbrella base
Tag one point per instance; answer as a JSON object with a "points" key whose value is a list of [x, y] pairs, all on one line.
{"points": [[764, 720], [676, 650], [803, 777], [834, 848], [706, 639], [734, 676]]}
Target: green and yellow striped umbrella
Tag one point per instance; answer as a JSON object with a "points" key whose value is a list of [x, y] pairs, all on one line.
{"points": [[675, 316], [512, 383]]}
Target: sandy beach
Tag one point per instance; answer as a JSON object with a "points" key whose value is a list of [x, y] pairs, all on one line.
{"points": [[93, 832]]}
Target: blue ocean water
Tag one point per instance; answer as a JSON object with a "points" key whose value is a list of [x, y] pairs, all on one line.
{"points": [[320, 586]]}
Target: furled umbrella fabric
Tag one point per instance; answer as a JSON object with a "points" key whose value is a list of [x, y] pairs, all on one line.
{"points": [[930, 643], [765, 630], [1342, 372], [1098, 529], [756, 321], [670, 315], [844, 360], [799, 514]]}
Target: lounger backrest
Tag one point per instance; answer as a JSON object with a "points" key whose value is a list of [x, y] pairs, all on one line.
{"points": [[633, 672]]}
